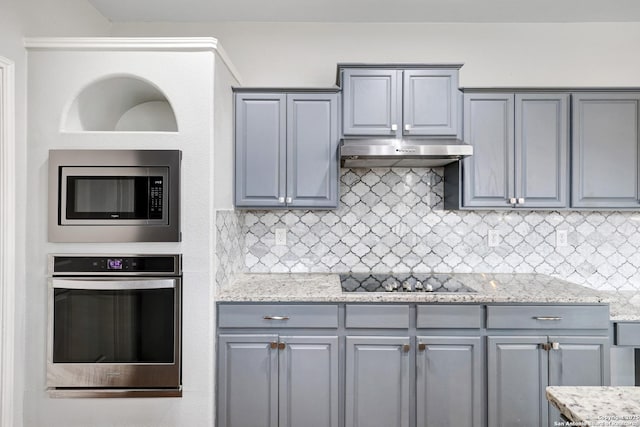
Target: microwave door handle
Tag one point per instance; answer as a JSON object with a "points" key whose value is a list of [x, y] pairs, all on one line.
{"points": [[114, 284]]}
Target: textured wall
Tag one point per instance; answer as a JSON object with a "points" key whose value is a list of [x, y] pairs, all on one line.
{"points": [[393, 220]]}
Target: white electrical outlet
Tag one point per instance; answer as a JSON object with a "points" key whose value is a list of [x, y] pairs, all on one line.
{"points": [[562, 238], [281, 237], [493, 238]]}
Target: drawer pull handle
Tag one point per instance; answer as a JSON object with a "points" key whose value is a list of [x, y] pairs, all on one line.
{"points": [[276, 317], [547, 318]]}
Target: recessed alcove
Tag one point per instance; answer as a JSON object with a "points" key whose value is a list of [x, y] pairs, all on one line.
{"points": [[120, 104]]}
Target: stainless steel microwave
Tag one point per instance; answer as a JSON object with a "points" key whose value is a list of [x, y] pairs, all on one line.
{"points": [[114, 195]]}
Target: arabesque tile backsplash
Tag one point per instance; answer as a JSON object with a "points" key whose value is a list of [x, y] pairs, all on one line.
{"points": [[393, 220]]}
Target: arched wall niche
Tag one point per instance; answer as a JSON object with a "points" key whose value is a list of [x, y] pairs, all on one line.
{"points": [[120, 103]]}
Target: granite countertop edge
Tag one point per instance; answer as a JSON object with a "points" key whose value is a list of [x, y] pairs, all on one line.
{"points": [[490, 288], [597, 405]]}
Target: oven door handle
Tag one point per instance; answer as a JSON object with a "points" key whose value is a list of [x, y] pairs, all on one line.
{"points": [[113, 284]]}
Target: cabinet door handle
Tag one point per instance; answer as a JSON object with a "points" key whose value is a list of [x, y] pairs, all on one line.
{"points": [[280, 199], [289, 199], [547, 318], [406, 348], [422, 347], [407, 127], [394, 127], [555, 346], [273, 345], [521, 200], [276, 317], [513, 201], [281, 346]]}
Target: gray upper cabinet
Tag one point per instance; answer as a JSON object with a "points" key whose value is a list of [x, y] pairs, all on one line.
{"points": [[312, 150], [449, 372], [605, 150], [542, 150], [430, 102], [400, 102], [488, 175], [261, 150], [521, 150], [370, 102], [377, 382], [286, 150]]}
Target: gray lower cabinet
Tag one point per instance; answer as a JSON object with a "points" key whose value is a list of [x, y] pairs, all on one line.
{"points": [[247, 381], [376, 365], [277, 381], [286, 149], [397, 102], [517, 378], [521, 367], [605, 146], [377, 381], [449, 372], [521, 150]]}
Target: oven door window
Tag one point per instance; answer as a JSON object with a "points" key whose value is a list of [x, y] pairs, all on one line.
{"points": [[114, 326], [114, 197]]}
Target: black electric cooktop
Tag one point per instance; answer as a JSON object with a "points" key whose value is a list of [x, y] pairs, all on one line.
{"points": [[402, 282]]}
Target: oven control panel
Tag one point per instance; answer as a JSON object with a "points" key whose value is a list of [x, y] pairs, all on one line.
{"points": [[115, 265]]}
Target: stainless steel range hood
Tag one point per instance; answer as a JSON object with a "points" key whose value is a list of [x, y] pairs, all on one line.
{"points": [[400, 153]]}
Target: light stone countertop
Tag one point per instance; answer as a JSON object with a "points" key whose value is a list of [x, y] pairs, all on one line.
{"points": [[597, 406], [490, 287], [624, 305]]}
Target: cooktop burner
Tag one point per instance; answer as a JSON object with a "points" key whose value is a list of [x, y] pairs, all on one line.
{"points": [[399, 282]]}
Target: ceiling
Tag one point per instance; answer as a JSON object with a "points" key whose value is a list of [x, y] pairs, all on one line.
{"points": [[369, 10]]}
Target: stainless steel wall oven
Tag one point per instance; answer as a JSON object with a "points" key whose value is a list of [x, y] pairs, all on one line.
{"points": [[114, 195], [114, 325]]}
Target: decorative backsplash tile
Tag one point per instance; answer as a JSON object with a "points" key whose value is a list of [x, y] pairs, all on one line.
{"points": [[230, 245], [393, 220]]}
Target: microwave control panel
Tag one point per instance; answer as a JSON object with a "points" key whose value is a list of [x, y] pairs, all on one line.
{"points": [[155, 197]]}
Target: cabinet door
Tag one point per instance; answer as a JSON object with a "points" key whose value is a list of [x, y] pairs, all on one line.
{"points": [[309, 382], [430, 102], [541, 149], [247, 381], [312, 150], [260, 176], [488, 175], [605, 150], [377, 382], [517, 377], [579, 361], [371, 102], [449, 375]]}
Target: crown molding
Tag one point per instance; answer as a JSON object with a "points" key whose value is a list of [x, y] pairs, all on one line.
{"points": [[146, 44]]}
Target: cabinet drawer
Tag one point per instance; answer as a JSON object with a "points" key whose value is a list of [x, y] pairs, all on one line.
{"points": [[449, 316], [628, 334], [547, 317], [377, 316], [277, 316]]}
